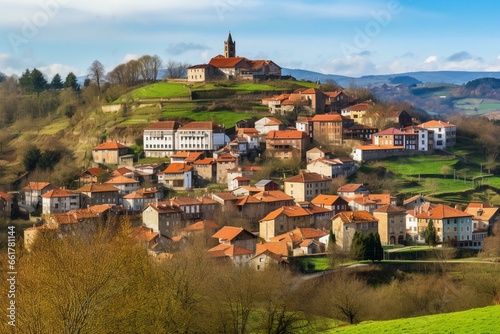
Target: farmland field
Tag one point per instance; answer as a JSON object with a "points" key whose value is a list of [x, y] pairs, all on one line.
{"points": [[476, 106]]}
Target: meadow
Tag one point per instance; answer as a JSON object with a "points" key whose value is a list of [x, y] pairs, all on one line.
{"points": [[480, 320]]}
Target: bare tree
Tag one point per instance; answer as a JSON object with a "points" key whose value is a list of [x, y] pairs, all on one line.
{"points": [[97, 73], [149, 67], [176, 70]]}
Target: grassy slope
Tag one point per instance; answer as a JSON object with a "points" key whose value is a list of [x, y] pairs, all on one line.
{"points": [[481, 320]]}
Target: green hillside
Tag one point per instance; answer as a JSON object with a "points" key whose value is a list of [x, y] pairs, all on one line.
{"points": [[481, 320]]}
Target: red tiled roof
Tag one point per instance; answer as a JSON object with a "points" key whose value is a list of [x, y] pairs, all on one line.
{"points": [[110, 145], [93, 171], [273, 196], [230, 232], [184, 200], [286, 134], [36, 186], [164, 125], [122, 180], [5, 195], [390, 131], [97, 187], [177, 168], [327, 118], [350, 187], [355, 217], [206, 161], [223, 62], [224, 250], [143, 233], [325, 199], [436, 124], [200, 126], [226, 157], [307, 177], [299, 235], [389, 208], [277, 247], [57, 192], [442, 211], [202, 225]]}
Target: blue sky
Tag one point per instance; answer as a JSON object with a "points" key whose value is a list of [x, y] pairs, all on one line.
{"points": [[354, 38]]}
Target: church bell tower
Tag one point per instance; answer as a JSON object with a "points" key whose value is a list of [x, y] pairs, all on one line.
{"points": [[229, 47]]}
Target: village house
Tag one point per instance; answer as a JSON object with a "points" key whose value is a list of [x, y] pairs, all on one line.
{"points": [[236, 255], [359, 132], [199, 228], [286, 144], [245, 172], [267, 185], [352, 189], [425, 141], [316, 153], [225, 162], [304, 124], [200, 137], [414, 201], [334, 203], [260, 204], [336, 101], [137, 200], [237, 182], [205, 169], [370, 202], [99, 193], [238, 237], [146, 237], [33, 192], [93, 175], [204, 72], [159, 139], [362, 153], [251, 136], [162, 217], [306, 186], [484, 216], [332, 167], [60, 200], [328, 129], [177, 175], [267, 258], [346, 223], [191, 208], [357, 111], [275, 103], [445, 134], [124, 184], [395, 137], [452, 226], [268, 124], [109, 153], [391, 224], [303, 241]]}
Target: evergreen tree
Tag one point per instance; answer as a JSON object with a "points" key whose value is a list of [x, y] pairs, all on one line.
{"points": [[379, 255], [71, 82], [38, 81], [358, 249], [25, 82], [56, 82], [331, 242], [370, 246], [430, 234]]}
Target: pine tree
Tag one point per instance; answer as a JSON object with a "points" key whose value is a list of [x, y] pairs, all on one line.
{"points": [[430, 234], [56, 82]]}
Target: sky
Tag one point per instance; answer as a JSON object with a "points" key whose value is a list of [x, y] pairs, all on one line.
{"points": [[353, 38]]}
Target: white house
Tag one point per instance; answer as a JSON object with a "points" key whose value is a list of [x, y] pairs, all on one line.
{"points": [[445, 134], [267, 124], [60, 201], [200, 136], [159, 139], [332, 167]]}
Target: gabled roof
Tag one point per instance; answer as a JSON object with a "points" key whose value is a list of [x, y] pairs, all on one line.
{"points": [[355, 217], [289, 211], [389, 208], [378, 199], [201, 126], [164, 125], [299, 234], [276, 257], [327, 118], [224, 250], [273, 196], [110, 145], [97, 188], [436, 124], [350, 187], [286, 134], [164, 207], [184, 200], [143, 233], [327, 199], [481, 212], [57, 193], [5, 196], [442, 211], [202, 226], [390, 131], [413, 198], [307, 177], [37, 185], [122, 180], [226, 196], [93, 171], [187, 156], [277, 247], [206, 161], [223, 62], [230, 232], [360, 106], [177, 168], [226, 157]]}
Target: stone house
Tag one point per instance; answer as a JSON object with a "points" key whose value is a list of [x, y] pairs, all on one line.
{"points": [[109, 153]]}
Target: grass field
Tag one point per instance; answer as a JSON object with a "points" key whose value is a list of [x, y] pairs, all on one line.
{"points": [[420, 164], [157, 90], [475, 106], [481, 320], [228, 118]]}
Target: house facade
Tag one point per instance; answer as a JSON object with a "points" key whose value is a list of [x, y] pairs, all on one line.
{"points": [[306, 186], [391, 224], [327, 129], [345, 224], [445, 134], [159, 139], [287, 144], [109, 153], [59, 201]]}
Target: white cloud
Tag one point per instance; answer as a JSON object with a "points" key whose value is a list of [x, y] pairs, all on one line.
{"points": [[130, 56], [63, 70], [352, 66]]}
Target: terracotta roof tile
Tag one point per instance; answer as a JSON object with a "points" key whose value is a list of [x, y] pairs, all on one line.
{"points": [[355, 217], [164, 125], [177, 168], [97, 187], [308, 177], [36, 186], [230, 232], [122, 180], [110, 145], [286, 134], [442, 211]]}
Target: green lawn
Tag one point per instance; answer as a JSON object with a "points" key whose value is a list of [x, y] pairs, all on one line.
{"points": [[158, 90], [228, 118], [419, 164], [481, 320], [476, 106]]}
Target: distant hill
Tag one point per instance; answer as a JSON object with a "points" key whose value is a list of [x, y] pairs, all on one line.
{"points": [[451, 77]]}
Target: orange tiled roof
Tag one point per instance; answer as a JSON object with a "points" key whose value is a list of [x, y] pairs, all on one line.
{"points": [[143, 233], [226, 157], [230, 232], [442, 211], [177, 168], [327, 118], [122, 180], [223, 250], [206, 161], [97, 187], [110, 145], [273, 196], [200, 126], [286, 134], [325, 199], [223, 62], [202, 225], [36, 185], [93, 171], [436, 124], [299, 235], [277, 247], [355, 217], [57, 192], [184, 200], [481, 212], [165, 207], [164, 125], [350, 187], [289, 211], [5, 195], [307, 177], [389, 208]]}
